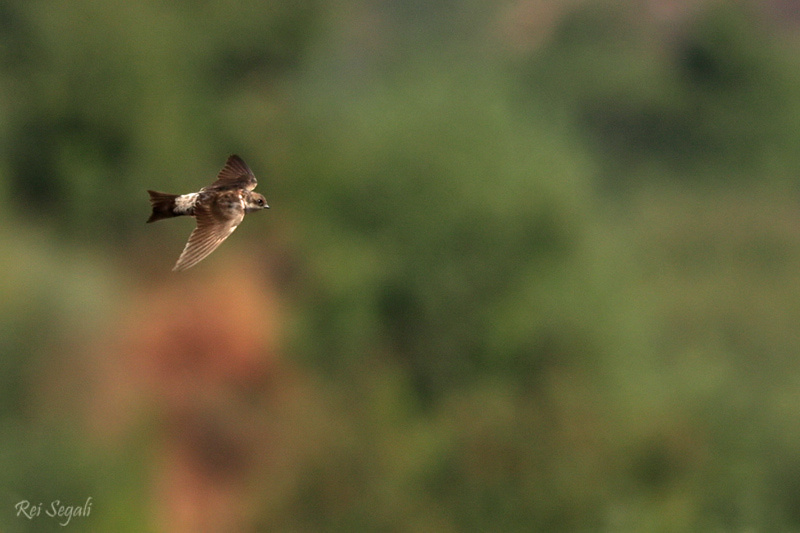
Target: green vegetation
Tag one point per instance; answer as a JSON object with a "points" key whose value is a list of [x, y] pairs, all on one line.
{"points": [[530, 266]]}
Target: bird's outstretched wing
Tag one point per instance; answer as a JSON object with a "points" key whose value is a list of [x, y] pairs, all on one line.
{"points": [[234, 175], [215, 222]]}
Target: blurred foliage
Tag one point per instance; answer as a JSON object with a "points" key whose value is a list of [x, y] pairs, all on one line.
{"points": [[530, 266]]}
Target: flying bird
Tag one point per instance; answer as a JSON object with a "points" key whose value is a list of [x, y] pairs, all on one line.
{"points": [[218, 208]]}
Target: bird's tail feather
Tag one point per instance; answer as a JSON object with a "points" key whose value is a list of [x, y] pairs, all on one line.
{"points": [[163, 205]]}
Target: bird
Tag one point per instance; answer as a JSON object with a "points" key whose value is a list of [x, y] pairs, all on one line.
{"points": [[218, 208]]}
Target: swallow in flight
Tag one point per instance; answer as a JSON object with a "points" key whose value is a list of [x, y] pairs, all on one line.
{"points": [[218, 208]]}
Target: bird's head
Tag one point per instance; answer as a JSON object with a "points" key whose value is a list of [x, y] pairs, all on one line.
{"points": [[255, 202]]}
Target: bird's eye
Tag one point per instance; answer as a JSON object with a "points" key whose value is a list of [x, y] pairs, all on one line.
{"points": [[260, 201]]}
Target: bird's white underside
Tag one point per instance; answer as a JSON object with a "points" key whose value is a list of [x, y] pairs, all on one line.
{"points": [[185, 202]]}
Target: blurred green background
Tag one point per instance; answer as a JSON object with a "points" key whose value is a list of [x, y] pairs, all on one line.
{"points": [[530, 266]]}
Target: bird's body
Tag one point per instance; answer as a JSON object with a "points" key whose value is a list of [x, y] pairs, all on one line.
{"points": [[218, 208]]}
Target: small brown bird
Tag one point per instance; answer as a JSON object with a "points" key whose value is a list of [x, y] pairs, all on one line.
{"points": [[218, 208]]}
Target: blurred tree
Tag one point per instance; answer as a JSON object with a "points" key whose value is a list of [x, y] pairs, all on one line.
{"points": [[705, 98]]}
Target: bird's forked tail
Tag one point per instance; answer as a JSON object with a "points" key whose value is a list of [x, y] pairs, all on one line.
{"points": [[163, 205]]}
